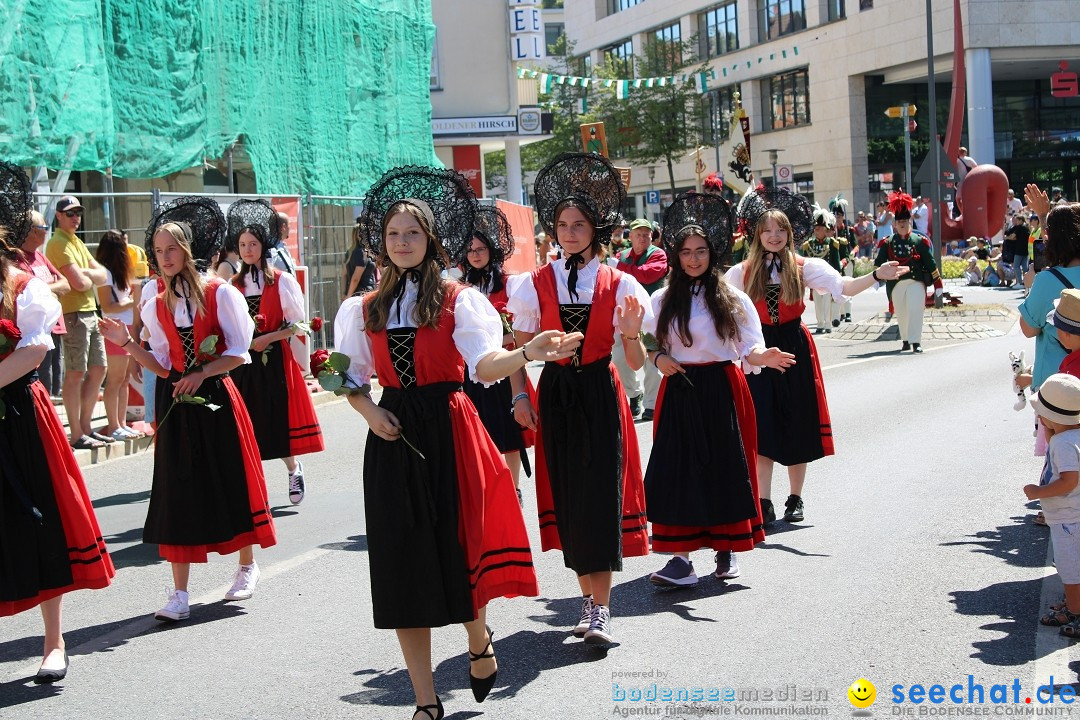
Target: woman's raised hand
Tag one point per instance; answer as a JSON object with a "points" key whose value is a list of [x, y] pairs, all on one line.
{"points": [[1037, 200], [630, 315], [552, 345], [114, 331]]}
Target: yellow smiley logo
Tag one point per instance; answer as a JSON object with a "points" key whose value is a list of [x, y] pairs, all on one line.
{"points": [[862, 693]]}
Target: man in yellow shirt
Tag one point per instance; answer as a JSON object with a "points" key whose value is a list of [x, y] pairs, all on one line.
{"points": [[83, 345]]}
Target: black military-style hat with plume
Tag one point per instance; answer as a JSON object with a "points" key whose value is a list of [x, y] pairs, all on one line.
{"points": [[444, 197], [694, 213]]}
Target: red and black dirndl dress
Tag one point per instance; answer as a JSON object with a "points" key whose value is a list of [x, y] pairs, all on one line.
{"points": [[793, 425], [209, 493], [273, 386], [701, 483], [445, 533], [493, 403], [589, 492], [50, 542]]}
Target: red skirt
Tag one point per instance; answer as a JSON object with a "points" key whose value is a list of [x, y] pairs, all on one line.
{"points": [[305, 436], [209, 492], [740, 535], [90, 566]]}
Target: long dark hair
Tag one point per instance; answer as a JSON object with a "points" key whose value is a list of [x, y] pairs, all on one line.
{"points": [[112, 254], [723, 306], [245, 269], [479, 277], [1062, 232]]}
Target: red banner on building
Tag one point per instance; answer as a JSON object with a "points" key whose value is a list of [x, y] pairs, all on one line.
{"points": [[468, 162], [521, 223]]}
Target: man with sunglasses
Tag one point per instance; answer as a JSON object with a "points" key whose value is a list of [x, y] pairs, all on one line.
{"points": [[83, 345]]}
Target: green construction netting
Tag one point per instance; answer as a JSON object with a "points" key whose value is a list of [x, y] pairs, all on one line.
{"points": [[327, 94]]}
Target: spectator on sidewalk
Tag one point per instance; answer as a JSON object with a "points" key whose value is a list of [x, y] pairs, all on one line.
{"points": [[280, 257], [920, 215], [884, 223], [864, 235], [34, 262], [1016, 241], [83, 345], [117, 298]]}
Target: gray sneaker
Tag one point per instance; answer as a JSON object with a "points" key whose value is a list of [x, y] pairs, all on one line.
{"points": [[727, 566], [585, 620], [677, 573], [600, 628]]}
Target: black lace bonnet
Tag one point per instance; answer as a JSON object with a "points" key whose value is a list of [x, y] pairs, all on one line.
{"points": [[444, 197], [491, 225], [587, 181], [202, 216], [259, 213], [694, 213], [797, 209], [16, 203]]}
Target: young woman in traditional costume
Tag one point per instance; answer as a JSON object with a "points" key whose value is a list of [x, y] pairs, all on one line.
{"points": [[589, 490], [50, 542], [272, 385], [792, 416], [444, 530], [491, 244], [701, 482], [208, 492]]}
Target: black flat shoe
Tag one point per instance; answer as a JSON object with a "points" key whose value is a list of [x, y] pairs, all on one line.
{"points": [[482, 686], [45, 677], [916, 347], [905, 346], [768, 514], [793, 509], [426, 709]]}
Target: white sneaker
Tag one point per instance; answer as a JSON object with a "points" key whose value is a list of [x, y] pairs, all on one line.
{"points": [[176, 609], [727, 566], [600, 628], [583, 623], [243, 587], [296, 484]]}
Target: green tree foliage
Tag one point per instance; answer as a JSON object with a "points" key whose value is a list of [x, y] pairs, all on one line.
{"points": [[657, 124]]}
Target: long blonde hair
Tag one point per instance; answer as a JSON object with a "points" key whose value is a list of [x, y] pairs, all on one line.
{"points": [[431, 290], [757, 275], [189, 274]]}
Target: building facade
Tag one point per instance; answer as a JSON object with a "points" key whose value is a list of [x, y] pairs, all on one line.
{"points": [[816, 76]]}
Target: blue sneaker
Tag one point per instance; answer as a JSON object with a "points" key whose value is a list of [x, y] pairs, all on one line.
{"points": [[677, 572]]}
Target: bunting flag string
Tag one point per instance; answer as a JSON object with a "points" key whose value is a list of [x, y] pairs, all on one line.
{"points": [[623, 87]]}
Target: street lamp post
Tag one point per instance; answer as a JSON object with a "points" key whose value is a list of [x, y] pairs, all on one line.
{"points": [[774, 155]]}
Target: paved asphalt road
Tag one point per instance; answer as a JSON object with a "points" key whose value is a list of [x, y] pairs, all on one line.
{"points": [[917, 564]]}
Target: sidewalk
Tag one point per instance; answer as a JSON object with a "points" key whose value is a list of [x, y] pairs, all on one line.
{"points": [[112, 451]]}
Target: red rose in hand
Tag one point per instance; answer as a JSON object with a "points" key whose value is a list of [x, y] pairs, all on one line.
{"points": [[260, 323], [318, 359], [316, 324], [10, 330]]}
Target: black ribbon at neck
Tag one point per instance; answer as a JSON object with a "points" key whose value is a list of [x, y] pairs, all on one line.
{"points": [[255, 276], [572, 262], [182, 288], [773, 261], [478, 277], [696, 287], [399, 289]]}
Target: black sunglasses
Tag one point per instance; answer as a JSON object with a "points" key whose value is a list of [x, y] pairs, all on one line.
{"points": [[73, 213]]}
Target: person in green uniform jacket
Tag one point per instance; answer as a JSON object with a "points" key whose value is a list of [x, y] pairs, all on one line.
{"points": [[847, 245], [915, 252], [823, 246]]}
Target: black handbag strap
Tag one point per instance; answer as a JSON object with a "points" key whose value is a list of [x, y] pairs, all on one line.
{"points": [[1061, 276]]}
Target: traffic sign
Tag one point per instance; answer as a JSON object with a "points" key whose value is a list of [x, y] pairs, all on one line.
{"points": [[785, 174], [912, 126], [652, 197], [897, 111]]}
